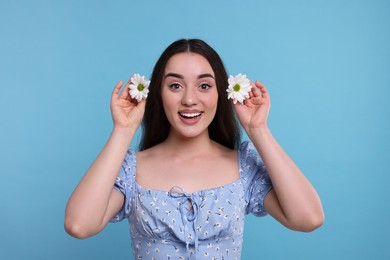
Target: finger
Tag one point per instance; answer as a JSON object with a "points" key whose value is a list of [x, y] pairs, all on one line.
{"points": [[250, 92], [256, 90], [259, 85], [256, 100], [116, 90], [125, 92], [252, 87], [262, 88]]}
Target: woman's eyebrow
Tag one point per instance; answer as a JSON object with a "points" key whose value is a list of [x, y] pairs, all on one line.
{"points": [[175, 75], [205, 75]]}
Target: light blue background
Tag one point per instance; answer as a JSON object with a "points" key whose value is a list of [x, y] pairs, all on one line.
{"points": [[327, 67]]}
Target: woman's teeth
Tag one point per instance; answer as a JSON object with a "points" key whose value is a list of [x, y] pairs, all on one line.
{"points": [[190, 115]]}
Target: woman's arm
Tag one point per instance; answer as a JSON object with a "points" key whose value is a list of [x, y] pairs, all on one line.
{"points": [[293, 201], [94, 201]]}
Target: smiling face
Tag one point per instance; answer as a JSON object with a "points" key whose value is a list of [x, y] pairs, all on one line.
{"points": [[189, 94]]}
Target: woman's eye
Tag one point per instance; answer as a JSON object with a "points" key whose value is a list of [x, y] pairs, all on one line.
{"points": [[205, 86], [174, 86]]}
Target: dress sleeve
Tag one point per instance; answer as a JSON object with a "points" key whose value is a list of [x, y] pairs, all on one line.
{"points": [[125, 184], [255, 179]]}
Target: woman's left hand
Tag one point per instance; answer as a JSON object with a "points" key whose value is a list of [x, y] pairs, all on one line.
{"points": [[253, 114]]}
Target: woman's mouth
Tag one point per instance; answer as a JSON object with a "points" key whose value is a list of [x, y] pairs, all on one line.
{"points": [[189, 115]]}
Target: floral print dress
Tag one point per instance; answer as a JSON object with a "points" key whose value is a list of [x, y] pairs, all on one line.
{"points": [[206, 224]]}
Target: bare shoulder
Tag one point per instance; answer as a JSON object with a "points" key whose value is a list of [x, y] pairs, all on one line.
{"points": [[149, 164], [150, 154], [224, 153]]}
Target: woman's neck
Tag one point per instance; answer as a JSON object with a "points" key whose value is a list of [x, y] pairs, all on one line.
{"points": [[176, 144]]}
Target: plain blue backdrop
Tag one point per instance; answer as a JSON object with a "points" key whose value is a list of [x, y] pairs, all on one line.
{"points": [[325, 63]]}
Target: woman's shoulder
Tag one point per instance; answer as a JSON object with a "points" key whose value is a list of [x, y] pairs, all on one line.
{"points": [[130, 158], [249, 158], [246, 149], [150, 153], [244, 145]]}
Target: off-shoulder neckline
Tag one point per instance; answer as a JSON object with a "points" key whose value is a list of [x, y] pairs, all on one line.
{"points": [[147, 191]]}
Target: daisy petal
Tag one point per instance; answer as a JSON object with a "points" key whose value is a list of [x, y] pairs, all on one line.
{"points": [[136, 92], [238, 88]]}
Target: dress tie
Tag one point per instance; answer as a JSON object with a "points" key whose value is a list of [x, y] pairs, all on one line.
{"points": [[189, 210]]}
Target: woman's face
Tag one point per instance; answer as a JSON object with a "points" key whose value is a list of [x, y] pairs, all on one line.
{"points": [[189, 94]]}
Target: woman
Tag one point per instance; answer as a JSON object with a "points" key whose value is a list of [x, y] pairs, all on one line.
{"points": [[187, 191]]}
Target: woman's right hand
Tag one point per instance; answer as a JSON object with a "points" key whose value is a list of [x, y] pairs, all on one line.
{"points": [[126, 112]]}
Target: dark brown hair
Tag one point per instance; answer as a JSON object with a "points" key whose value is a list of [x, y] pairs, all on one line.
{"points": [[224, 128]]}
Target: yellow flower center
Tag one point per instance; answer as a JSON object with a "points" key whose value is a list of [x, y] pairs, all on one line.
{"points": [[140, 87], [236, 87]]}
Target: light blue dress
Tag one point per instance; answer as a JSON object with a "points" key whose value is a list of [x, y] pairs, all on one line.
{"points": [[206, 224]]}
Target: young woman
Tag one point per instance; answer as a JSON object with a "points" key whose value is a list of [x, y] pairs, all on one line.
{"points": [[188, 189]]}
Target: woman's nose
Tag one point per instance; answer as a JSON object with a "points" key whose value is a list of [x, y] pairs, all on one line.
{"points": [[189, 97]]}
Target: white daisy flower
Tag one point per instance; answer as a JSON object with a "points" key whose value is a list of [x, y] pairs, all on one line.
{"points": [[239, 88], [139, 87]]}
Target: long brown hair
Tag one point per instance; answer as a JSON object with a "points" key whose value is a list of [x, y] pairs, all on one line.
{"points": [[224, 128]]}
